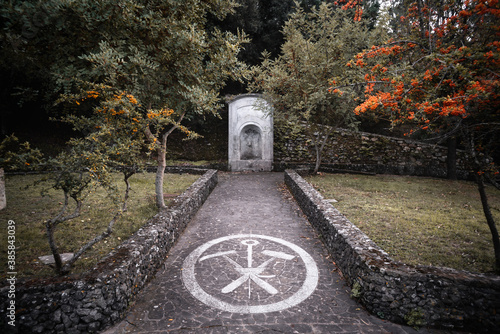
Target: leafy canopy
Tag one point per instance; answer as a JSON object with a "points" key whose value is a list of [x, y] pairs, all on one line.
{"points": [[440, 72], [127, 73], [317, 46]]}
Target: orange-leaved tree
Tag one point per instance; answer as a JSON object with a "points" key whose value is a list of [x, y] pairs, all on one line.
{"points": [[90, 161], [440, 73]]}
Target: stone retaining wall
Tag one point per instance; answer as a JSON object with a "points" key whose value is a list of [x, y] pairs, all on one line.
{"points": [[366, 152], [413, 295], [94, 300]]}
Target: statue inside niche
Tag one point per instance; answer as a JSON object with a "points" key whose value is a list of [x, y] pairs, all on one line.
{"points": [[250, 143]]}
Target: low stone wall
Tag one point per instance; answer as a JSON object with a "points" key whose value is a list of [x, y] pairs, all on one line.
{"points": [[92, 301], [366, 152], [413, 295]]}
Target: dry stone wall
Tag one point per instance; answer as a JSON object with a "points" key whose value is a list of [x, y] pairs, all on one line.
{"points": [[413, 295], [366, 152], [92, 301]]}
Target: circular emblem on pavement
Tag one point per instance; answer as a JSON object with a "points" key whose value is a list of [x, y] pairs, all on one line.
{"points": [[249, 273]]}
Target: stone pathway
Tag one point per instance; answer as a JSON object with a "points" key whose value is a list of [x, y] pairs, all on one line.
{"points": [[249, 262]]}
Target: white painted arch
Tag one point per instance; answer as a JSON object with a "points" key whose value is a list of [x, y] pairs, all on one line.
{"points": [[244, 110]]}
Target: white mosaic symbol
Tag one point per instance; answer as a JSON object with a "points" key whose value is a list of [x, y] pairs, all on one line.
{"points": [[250, 274]]}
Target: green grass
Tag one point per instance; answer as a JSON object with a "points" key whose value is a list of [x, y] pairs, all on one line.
{"points": [[185, 163], [29, 210], [422, 221], [189, 163]]}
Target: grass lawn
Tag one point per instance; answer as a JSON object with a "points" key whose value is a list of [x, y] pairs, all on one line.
{"points": [[416, 220], [29, 210]]}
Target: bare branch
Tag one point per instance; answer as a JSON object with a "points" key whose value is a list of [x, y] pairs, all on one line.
{"points": [[494, 73], [445, 136], [92, 242]]}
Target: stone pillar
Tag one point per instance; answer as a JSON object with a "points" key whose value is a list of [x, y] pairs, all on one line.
{"points": [[250, 134]]}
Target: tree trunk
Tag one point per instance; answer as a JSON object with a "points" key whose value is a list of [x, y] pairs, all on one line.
{"points": [[67, 267], [479, 175], [53, 247], [319, 150], [51, 225], [162, 160], [160, 171], [318, 160], [490, 220], [126, 177], [451, 159]]}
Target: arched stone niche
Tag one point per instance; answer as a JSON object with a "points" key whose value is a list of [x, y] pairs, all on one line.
{"points": [[250, 134], [251, 143]]}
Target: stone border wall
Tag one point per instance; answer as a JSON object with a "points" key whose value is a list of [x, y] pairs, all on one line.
{"points": [[413, 295], [92, 301], [366, 152]]}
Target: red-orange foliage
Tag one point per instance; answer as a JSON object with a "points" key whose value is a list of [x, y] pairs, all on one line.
{"points": [[443, 75], [352, 4], [446, 66]]}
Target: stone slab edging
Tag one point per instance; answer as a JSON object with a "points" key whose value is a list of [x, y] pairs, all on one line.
{"points": [[412, 295], [96, 299]]}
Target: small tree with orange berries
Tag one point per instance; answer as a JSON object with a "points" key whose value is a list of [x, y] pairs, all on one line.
{"points": [[128, 73]]}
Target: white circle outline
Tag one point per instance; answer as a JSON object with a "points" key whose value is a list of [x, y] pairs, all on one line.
{"points": [[307, 288]]}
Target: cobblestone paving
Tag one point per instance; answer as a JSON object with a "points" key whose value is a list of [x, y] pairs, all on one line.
{"points": [[249, 262]]}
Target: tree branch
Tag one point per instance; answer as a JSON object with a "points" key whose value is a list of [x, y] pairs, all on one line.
{"points": [[407, 42], [89, 244], [360, 84], [494, 73]]}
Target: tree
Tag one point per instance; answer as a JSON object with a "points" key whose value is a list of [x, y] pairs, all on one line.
{"points": [[172, 66], [87, 166], [317, 46], [262, 21], [91, 162], [161, 53], [127, 74], [440, 73]]}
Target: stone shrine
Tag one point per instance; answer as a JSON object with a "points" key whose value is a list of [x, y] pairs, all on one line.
{"points": [[250, 134]]}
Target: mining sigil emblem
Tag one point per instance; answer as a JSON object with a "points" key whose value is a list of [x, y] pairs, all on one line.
{"points": [[250, 273]]}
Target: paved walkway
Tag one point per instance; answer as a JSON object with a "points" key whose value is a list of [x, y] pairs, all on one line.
{"points": [[249, 262]]}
